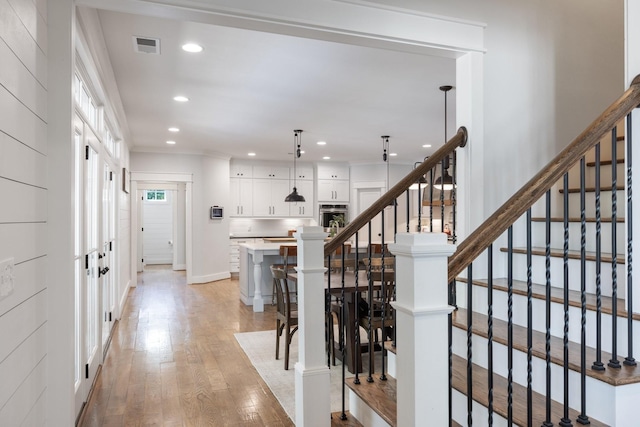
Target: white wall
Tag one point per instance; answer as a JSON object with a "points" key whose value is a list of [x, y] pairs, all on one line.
{"points": [[550, 68], [23, 210], [210, 240]]}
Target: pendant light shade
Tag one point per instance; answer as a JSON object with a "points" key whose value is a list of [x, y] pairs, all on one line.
{"points": [[297, 142], [444, 182]]}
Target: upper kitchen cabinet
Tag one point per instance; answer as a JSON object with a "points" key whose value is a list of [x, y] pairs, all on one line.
{"points": [[302, 209], [240, 170], [271, 172], [333, 183], [241, 197], [268, 197], [303, 173]]}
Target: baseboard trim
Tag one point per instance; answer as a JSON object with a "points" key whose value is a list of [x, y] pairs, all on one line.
{"points": [[196, 280], [179, 267]]}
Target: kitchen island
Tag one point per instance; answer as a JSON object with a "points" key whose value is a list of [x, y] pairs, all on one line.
{"points": [[255, 262]]}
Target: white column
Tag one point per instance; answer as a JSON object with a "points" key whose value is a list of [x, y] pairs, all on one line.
{"points": [[313, 404], [258, 303], [422, 307]]}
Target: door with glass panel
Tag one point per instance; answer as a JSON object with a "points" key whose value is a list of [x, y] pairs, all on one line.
{"points": [[106, 272]]}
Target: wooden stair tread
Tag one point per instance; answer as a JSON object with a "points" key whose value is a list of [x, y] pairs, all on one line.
{"points": [[593, 189], [519, 395], [575, 219], [624, 375], [557, 295], [573, 254], [388, 345], [455, 424], [604, 162], [379, 395], [336, 421], [437, 203]]}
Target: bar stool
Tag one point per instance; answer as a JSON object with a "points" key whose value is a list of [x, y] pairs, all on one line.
{"points": [[289, 254]]}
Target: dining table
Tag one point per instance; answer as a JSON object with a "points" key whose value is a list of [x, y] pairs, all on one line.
{"points": [[350, 286]]}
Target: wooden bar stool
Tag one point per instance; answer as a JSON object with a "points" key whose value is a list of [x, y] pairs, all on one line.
{"points": [[289, 254]]}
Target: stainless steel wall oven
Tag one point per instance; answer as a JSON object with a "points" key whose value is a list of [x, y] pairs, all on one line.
{"points": [[327, 212]]}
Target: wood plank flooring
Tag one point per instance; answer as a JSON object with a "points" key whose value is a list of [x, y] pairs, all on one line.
{"points": [[174, 360]]}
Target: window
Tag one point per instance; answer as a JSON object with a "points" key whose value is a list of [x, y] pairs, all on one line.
{"points": [[155, 196]]}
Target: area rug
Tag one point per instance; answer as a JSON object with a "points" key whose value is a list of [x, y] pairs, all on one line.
{"points": [[260, 347]]}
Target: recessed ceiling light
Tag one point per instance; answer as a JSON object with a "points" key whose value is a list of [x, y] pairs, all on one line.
{"points": [[426, 146], [251, 154], [326, 158], [192, 48], [171, 142], [321, 142], [180, 98], [174, 130]]}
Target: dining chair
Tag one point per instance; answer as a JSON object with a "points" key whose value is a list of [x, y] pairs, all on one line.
{"points": [[380, 314], [286, 315], [336, 264], [288, 253]]}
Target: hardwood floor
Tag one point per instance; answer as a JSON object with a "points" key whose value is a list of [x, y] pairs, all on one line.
{"points": [[174, 361]]}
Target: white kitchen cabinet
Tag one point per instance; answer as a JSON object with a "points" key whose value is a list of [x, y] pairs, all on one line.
{"points": [[234, 253], [241, 197], [333, 171], [240, 170], [303, 209], [303, 173], [333, 190], [271, 172], [268, 197]]}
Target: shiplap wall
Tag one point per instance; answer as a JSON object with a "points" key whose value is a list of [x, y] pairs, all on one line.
{"points": [[23, 195], [158, 231]]}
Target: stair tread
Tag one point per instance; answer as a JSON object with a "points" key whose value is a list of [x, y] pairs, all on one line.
{"points": [[606, 257], [388, 345], [593, 189], [557, 295], [519, 395], [336, 421], [574, 219], [379, 395], [605, 162], [624, 375]]}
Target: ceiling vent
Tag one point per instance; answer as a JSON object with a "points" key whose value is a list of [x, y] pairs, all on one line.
{"points": [[146, 45]]}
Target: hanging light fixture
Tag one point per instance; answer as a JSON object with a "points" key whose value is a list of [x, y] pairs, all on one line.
{"points": [[420, 182], [385, 155], [297, 141], [445, 181]]}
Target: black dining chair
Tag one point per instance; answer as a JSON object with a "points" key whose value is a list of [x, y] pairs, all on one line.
{"points": [[287, 313]]}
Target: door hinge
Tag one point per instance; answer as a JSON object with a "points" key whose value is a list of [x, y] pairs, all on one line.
{"points": [[142, 259], [110, 246], [142, 228], [86, 371], [86, 152], [109, 316], [86, 262], [110, 176]]}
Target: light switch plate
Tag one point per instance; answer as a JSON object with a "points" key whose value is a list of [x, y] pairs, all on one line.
{"points": [[6, 278]]}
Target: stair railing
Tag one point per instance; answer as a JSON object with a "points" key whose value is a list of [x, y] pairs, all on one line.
{"points": [[371, 263], [478, 248]]}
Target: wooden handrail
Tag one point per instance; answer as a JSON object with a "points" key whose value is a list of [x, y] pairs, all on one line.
{"points": [[458, 140], [533, 190]]}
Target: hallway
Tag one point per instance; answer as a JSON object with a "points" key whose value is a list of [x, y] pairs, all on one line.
{"points": [[174, 361]]}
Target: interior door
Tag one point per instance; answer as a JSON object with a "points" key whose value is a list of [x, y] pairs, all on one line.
{"points": [[366, 197], [106, 256], [79, 265]]}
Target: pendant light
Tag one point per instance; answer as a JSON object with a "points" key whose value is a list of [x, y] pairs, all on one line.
{"points": [[297, 141], [445, 181]]}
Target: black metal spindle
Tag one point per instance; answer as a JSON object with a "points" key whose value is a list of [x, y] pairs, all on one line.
{"points": [[343, 346], [454, 201], [490, 334], [629, 360], [598, 365], [409, 207], [419, 209], [614, 362], [327, 311], [356, 379], [469, 345], [431, 175], [510, 326], [547, 300], [383, 376], [583, 418], [369, 311], [449, 342], [529, 322], [442, 171], [565, 421]]}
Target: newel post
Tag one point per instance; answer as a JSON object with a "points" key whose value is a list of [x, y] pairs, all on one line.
{"points": [[422, 311], [313, 405]]}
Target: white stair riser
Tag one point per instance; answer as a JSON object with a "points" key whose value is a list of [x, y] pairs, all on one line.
{"points": [[363, 412], [538, 273], [599, 397], [500, 309], [605, 175], [538, 236], [605, 204], [391, 364], [480, 413]]}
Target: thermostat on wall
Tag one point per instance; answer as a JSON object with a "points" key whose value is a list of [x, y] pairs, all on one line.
{"points": [[216, 212]]}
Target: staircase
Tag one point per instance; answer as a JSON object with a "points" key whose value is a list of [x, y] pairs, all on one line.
{"points": [[544, 328]]}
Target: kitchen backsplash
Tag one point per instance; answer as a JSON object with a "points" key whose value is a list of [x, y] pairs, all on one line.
{"points": [[248, 227]]}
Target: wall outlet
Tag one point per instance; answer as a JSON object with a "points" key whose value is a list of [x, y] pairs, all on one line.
{"points": [[6, 277]]}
